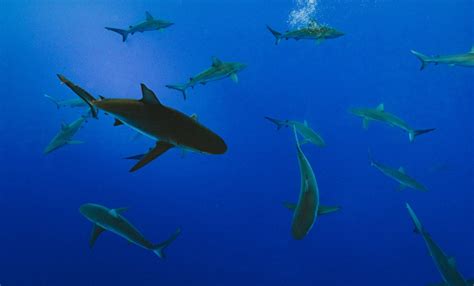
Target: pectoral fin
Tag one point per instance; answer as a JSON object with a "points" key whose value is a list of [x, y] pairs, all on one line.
{"points": [[365, 123], [160, 148], [74, 142], [401, 187], [327, 209], [319, 41], [290, 206], [234, 77], [452, 262], [96, 231]]}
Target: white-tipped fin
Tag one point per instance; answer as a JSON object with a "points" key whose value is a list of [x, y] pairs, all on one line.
{"points": [[234, 77], [401, 170], [380, 107]]}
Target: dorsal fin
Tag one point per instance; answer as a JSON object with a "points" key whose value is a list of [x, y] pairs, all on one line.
{"points": [[149, 96], [63, 126], [380, 107], [401, 170], [216, 62], [149, 17], [305, 123], [194, 117], [472, 50]]}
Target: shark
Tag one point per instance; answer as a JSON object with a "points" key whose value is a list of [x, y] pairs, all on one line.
{"points": [[66, 134], [313, 31], [398, 175], [379, 114], [303, 128], [306, 211], [148, 116], [150, 24], [446, 265], [463, 60], [218, 70], [75, 102], [105, 219]]}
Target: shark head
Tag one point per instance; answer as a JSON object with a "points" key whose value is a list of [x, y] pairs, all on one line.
{"points": [[331, 33], [93, 212], [357, 111], [237, 67], [164, 24]]}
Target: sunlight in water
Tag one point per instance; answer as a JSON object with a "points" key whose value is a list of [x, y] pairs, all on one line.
{"points": [[303, 12]]}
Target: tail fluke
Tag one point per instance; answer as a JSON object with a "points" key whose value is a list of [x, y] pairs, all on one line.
{"points": [[84, 95], [53, 100], [160, 247], [412, 134], [276, 34], [423, 59], [180, 87], [124, 33], [418, 226], [279, 123]]}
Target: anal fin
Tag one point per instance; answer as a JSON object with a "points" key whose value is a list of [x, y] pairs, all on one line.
{"points": [[160, 148]]}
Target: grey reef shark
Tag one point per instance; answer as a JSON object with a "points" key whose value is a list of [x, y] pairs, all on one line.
{"points": [[112, 220], [74, 102], [303, 128], [150, 24], [313, 31], [379, 114], [66, 134], [446, 265], [306, 211], [217, 71], [168, 127], [463, 60], [398, 175]]}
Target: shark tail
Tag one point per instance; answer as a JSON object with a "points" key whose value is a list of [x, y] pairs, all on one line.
{"points": [[159, 248], [180, 87], [53, 100], [124, 33], [84, 95], [412, 134], [418, 226], [276, 34], [423, 59], [279, 123]]}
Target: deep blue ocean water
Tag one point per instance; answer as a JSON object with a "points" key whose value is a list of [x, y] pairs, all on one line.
{"points": [[234, 228]]}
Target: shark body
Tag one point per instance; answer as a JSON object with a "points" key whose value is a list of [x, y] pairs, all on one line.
{"points": [[75, 102], [105, 219], [312, 31], [168, 127], [463, 60], [379, 114], [150, 24], [446, 265], [398, 175], [218, 70], [66, 134], [308, 208], [302, 128]]}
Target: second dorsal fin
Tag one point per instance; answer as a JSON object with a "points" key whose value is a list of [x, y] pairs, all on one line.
{"points": [[149, 96]]}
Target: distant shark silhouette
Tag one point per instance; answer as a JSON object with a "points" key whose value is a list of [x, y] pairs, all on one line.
{"points": [[313, 31], [464, 60], [66, 134], [148, 116], [150, 24]]}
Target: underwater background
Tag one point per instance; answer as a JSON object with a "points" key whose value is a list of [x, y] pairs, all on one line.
{"points": [[235, 230]]}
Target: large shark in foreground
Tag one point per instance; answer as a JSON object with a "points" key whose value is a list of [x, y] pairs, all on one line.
{"points": [[74, 102], [303, 129], [446, 265], [313, 31], [66, 134], [150, 24], [464, 60], [113, 221], [308, 208], [217, 71], [168, 127], [398, 175], [379, 114]]}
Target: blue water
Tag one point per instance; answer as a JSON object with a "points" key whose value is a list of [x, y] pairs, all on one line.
{"points": [[234, 228]]}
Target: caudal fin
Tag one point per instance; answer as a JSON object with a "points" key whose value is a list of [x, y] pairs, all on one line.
{"points": [[412, 134], [423, 59], [276, 34], [84, 95], [278, 123], [418, 226], [53, 100], [180, 87], [124, 33], [160, 247]]}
